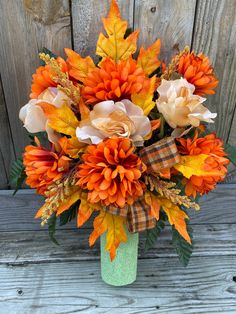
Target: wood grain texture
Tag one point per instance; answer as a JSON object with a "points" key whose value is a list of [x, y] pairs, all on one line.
{"points": [[214, 34], [170, 20], [25, 28], [35, 246], [17, 213], [162, 286], [6, 146], [87, 22]]}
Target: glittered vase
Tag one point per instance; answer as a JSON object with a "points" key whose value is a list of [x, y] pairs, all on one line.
{"points": [[122, 270]]}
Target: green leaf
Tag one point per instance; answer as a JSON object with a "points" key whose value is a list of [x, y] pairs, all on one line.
{"points": [[52, 228], [17, 174], [69, 214], [182, 247], [48, 52], [231, 151], [153, 234]]}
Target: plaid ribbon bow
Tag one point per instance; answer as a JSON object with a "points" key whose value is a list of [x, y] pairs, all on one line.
{"points": [[160, 155]]}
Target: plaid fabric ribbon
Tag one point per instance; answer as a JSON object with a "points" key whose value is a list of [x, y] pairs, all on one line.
{"points": [[160, 155], [137, 215]]}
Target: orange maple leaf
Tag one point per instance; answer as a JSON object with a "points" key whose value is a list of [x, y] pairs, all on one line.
{"points": [[71, 146], [154, 204], [176, 217], [78, 67], [148, 58], [85, 209], [114, 226], [115, 45], [74, 196]]}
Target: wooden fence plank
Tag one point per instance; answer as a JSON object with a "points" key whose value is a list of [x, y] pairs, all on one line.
{"points": [[17, 213], [170, 20], [19, 247], [25, 27], [214, 34], [162, 286], [6, 146], [87, 23]]}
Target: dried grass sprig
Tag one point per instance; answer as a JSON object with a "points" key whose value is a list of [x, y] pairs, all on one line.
{"points": [[167, 190], [61, 78], [58, 193]]}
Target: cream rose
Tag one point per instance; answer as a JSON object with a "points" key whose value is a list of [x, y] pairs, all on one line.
{"points": [[179, 106], [123, 119], [33, 116]]}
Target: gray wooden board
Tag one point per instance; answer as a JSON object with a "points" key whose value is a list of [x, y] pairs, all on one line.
{"points": [[162, 286], [214, 34], [170, 20], [19, 247], [6, 147], [25, 28], [17, 213]]}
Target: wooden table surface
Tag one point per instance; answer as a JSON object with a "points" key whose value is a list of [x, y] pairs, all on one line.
{"points": [[38, 277]]}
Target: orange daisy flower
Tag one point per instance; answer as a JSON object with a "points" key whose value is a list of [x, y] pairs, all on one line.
{"points": [[43, 166], [208, 145], [197, 70], [42, 79], [111, 172], [114, 81]]}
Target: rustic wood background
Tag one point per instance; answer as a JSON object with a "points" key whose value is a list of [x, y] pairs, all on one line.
{"points": [[28, 25], [41, 278]]}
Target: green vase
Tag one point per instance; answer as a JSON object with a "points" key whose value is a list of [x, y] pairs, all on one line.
{"points": [[123, 269]]}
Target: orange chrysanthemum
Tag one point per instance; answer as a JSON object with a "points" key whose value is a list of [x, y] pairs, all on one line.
{"points": [[197, 70], [42, 79], [43, 166], [114, 81], [111, 172], [208, 145]]}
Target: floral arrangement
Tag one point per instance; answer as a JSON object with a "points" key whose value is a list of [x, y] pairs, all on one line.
{"points": [[125, 139]]}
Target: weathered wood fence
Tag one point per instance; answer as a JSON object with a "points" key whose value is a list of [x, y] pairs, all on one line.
{"points": [[28, 25]]}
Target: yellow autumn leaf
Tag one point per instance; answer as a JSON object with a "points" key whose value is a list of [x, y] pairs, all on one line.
{"points": [[195, 165], [148, 58], [78, 67], [176, 217], [114, 226], [62, 120], [144, 100], [115, 45]]}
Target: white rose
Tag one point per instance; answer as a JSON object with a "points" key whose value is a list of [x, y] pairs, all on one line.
{"points": [[122, 119], [179, 106], [33, 116]]}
